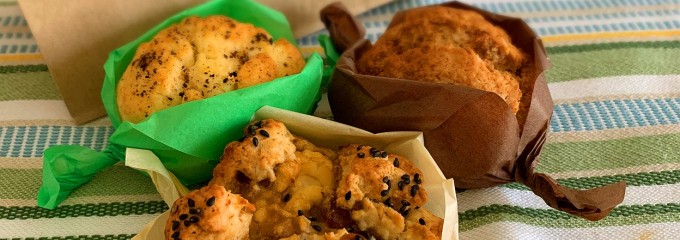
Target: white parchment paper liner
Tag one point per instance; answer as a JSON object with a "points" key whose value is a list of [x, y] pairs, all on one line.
{"points": [[326, 133]]}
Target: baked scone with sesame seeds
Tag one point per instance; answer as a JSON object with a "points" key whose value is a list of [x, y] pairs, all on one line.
{"points": [[382, 191], [286, 177], [448, 45], [211, 212], [200, 58], [299, 190]]}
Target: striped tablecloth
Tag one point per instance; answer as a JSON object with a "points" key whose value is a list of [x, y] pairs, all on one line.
{"points": [[615, 81]]}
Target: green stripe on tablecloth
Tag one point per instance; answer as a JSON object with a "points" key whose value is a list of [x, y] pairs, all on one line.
{"points": [[611, 46], [23, 68], [84, 210], [8, 3], [619, 216], [615, 62], [28, 86], [619, 153], [117, 180], [633, 179], [85, 237]]}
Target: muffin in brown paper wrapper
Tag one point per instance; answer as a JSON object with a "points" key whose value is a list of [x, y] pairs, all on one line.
{"points": [[472, 134]]}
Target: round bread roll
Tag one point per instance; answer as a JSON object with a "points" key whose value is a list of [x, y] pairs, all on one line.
{"points": [[200, 58], [447, 45]]}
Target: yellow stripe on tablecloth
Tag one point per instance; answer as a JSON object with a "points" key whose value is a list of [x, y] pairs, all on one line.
{"points": [[20, 57], [623, 36]]}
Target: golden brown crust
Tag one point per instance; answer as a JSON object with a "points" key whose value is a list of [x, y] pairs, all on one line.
{"points": [[448, 45], [200, 58], [281, 174], [367, 172], [209, 213], [383, 193], [300, 190]]}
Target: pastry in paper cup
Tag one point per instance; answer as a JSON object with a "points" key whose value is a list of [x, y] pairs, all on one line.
{"points": [[472, 134], [325, 134], [188, 138]]}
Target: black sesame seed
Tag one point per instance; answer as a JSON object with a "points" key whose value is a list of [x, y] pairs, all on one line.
{"points": [[313, 219], [383, 154], [317, 228], [405, 203], [286, 198], [210, 202], [193, 219], [417, 207], [375, 154], [191, 202], [406, 178], [384, 192], [401, 185], [194, 211], [348, 195], [403, 208], [183, 216], [421, 221], [388, 202], [372, 150], [251, 129], [386, 179], [259, 124], [361, 155], [414, 190], [360, 147], [396, 162], [175, 225], [389, 184], [187, 223], [300, 213], [264, 133], [416, 178], [255, 141], [243, 138], [175, 235], [405, 213]]}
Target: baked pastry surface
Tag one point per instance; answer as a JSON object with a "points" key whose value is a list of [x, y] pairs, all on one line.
{"points": [[447, 45], [302, 191], [211, 212], [200, 58]]}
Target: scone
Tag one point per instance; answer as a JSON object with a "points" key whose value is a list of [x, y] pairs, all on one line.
{"points": [[447, 45], [200, 58], [211, 212], [301, 191], [384, 194], [286, 177]]}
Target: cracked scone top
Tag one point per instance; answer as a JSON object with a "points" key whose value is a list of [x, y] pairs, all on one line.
{"points": [[447, 45], [200, 58], [295, 190], [211, 212]]}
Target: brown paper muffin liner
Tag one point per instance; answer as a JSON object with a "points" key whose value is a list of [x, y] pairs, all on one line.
{"points": [[472, 134]]}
